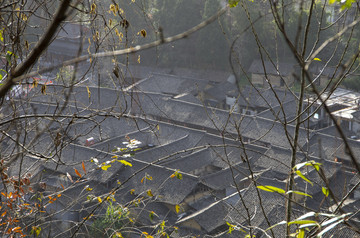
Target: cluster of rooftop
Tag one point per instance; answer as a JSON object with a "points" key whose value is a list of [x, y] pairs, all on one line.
{"points": [[223, 143]]}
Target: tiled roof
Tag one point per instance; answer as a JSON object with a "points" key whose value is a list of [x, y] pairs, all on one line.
{"points": [[259, 67], [169, 84], [251, 200], [221, 209], [279, 160], [166, 189], [265, 98], [225, 178]]}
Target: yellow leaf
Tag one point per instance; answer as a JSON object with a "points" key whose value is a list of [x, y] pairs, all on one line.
{"points": [[114, 157], [177, 208], [93, 8], [43, 89], [35, 83], [149, 193], [105, 166], [117, 32], [172, 176], [88, 49], [112, 9], [24, 17], [325, 191], [124, 162], [88, 91], [142, 180], [317, 59], [118, 234], [145, 233], [143, 33], [178, 175], [148, 177], [132, 191], [99, 199], [151, 215], [138, 60]]}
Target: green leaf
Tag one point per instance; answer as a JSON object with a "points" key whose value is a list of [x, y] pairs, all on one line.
{"points": [[38, 230], [301, 222], [301, 234], [35, 230], [271, 189], [300, 193], [151, 215], [347, 4], [8, 56], [233, 3], [325, 191], [316, 166], [313, 164], [231, 228], [298, 172]]}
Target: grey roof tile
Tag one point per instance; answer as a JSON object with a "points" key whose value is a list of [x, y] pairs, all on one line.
{"points": [[279, 160], [252, 202], [259, 67], [226, 178], [169, 84], [166, 189], [221, 209]]}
